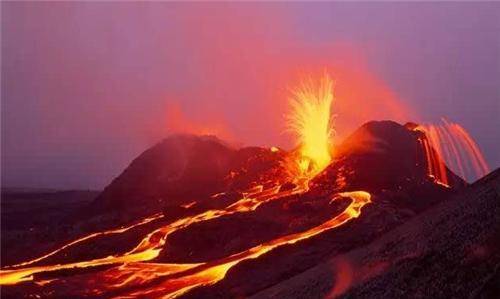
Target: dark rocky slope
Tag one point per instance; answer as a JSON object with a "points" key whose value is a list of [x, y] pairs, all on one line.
{"points": [[181, 169], [450, 251], [383, 158]]}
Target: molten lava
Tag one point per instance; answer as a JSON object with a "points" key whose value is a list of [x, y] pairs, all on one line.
{"points": [[449, 144], [210, 273], [310, 121], [198, 274]]}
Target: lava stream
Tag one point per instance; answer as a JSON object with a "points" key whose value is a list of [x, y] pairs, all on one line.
{"points": [[150, 247], [210, 273], [88, 237]]}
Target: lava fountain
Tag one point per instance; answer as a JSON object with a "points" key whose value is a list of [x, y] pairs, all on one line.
{"points": [[310, 121]]}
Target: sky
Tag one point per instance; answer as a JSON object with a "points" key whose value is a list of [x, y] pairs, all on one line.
{"points": [[86, 87]]}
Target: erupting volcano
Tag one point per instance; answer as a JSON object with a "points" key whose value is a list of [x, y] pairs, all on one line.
{"points": [[202, 219]]}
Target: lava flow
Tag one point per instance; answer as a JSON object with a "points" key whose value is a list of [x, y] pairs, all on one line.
{"points": [[210, 273], [151, 245]]}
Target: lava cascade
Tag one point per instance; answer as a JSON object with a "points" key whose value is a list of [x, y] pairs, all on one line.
{"points": [[449, 144]]}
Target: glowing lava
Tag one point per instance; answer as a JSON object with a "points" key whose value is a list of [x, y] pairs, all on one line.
{"points": [[210, 273], [150, 247], [449, 144], [133, 271], [310, 121]]}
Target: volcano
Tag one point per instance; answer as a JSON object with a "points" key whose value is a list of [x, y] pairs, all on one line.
{"points": [[195, 217], [182, 169]]}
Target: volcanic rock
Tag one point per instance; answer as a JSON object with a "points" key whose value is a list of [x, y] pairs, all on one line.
{"points": [[385, 154], [383, 158], [181, 165], [182, 169], [187, 168]]}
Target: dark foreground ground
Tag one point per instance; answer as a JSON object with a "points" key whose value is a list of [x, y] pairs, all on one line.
{"points": [[450, 251], [33, 219]]}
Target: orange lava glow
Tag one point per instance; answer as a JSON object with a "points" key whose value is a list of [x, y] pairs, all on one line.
{"points": [[210, 273], [449, 144], [151, 245], [178, 122], [344, 274], [88, 237], [134, 271]]}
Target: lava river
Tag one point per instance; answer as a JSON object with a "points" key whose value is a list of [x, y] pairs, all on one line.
{"points": [[132, 268]]}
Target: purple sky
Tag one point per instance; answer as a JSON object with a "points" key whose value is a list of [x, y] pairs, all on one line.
{"points": [[86, 87]]}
